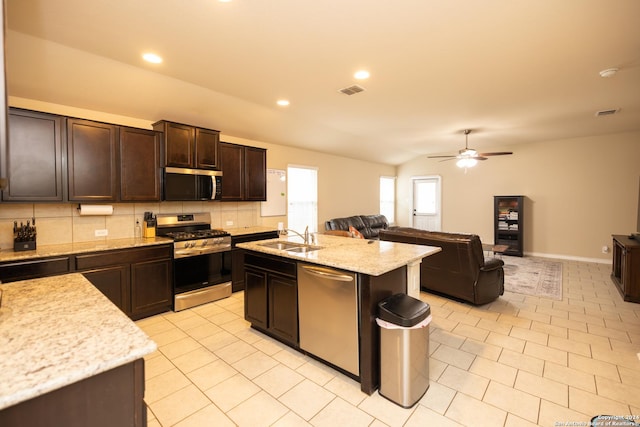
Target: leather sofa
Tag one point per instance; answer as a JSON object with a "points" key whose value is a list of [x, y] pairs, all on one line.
{"points": [[368, 225], [459, 270]]}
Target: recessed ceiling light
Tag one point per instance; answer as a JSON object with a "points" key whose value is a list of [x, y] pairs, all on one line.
{"points": [[282, 102], [609, 72], [151, 57], [361, 75]]}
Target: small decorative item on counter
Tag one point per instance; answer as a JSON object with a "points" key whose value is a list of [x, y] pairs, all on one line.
{"points": [[150, 222], [24, 236], [138, 230]]}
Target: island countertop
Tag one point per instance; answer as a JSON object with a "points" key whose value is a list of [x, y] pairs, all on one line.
{"points": [[372, 257], [58, 330]]}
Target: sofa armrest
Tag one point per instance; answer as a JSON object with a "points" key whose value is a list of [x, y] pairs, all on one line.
{"points": [[492, 264]]}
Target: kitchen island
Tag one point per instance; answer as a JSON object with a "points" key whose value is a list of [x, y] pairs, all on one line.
{"points": [[68, 354], [380, 268]]}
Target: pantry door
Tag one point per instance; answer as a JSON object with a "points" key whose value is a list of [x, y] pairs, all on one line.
{"points": [[427, 203]]}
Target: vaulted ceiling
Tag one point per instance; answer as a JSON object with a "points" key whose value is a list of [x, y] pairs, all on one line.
{"points": [[513, 71]]}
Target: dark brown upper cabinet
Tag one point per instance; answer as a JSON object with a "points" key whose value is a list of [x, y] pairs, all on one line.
{"points": [[188, 146], [92, 161], [244, 172], [140, 171], [33, 157]]}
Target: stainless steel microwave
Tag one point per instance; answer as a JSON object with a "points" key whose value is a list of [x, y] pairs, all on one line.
{"points": [[182, 184]]}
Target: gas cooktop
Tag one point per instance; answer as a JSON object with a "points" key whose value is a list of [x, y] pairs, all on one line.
{"points": [[196, 234]]}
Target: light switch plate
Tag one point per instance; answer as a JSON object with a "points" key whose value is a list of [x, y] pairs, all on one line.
{"points": [[102, 233]]}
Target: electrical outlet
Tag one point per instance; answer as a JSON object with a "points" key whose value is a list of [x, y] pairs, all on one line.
{"points": [[229, 223], [102, 233], [605, 249]]}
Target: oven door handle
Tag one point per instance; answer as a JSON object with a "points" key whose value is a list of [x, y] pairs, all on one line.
{"points": [[206, 251]]}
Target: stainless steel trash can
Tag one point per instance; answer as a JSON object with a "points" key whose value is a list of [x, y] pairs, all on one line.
{"points": [[404, 349]]}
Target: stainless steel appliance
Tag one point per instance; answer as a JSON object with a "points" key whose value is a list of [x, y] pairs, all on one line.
{"points": [[328, 315], [202, 258], [181, 184]]}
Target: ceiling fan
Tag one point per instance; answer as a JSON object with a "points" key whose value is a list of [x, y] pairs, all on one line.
{"points": [[468, 157]]}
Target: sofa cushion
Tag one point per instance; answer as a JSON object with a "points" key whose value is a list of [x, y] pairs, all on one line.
{"points": [[368, 225]]}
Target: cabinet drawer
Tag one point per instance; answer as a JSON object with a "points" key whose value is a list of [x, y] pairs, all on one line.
{"points": [[123, 256], [277, 265], [13, 271]]}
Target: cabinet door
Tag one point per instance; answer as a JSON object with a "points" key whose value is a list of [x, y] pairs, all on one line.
{"points": [[32, 157], [232, 166], [139, 151], [255, 297], [151, 288], [114, 283], [255, 174], [283, 307], [92, 168], [179, 143], [207, 148]]}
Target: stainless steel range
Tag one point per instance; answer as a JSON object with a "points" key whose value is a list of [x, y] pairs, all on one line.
{"points": [[202, 258]]}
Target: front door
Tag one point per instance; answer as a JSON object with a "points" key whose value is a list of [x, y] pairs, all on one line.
{"points": [[426, 203]]}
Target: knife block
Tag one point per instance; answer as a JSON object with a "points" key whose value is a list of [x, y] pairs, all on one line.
{"points": [[29, 245], [149, 229]]}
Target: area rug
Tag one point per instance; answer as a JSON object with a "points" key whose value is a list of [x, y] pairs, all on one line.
{"points": [[533, 276]]}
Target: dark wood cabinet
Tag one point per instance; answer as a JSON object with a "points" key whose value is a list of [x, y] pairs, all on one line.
{"points": [[33, 157], [139, 155], [151, 288], [508, 217], [237, 255], [244, 172], [92, 161], [142, 278], [114, 282], [255, 174], [13, 271], [188, 146], [271, 296], [111, 398], [255, 297], [626, 267]]}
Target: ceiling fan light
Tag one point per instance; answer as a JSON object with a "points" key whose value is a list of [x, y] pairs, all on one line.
{"points": [[466, 163], [469, 152]]}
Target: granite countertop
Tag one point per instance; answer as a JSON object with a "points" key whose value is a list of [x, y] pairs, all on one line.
{"points": [[372, 257], [82, 247], [59, 330]]}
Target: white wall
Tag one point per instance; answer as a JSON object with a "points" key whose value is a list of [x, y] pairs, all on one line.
{"points": [[579, 192]]}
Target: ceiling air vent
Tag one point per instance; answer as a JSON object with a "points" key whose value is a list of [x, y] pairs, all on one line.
{"points": [[352, 90], [607, 112]]}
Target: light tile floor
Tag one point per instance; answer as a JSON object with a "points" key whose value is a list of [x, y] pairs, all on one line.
{"points": [[518, 361]]}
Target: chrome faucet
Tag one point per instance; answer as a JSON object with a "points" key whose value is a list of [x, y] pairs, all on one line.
{"points": [[304, 237]]}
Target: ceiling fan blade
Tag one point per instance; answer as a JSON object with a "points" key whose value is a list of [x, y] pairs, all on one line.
{"points": [[451, 158], [441, 157], [497, 153], [479, 157]]}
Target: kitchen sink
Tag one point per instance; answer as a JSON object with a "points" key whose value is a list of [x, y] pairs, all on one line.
{"points": [[291, 247], [304, 249], [282, 245]]}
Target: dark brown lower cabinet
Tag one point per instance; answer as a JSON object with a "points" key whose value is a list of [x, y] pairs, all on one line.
{"points": [[114, 282], [112, 398], [151, 288], [271, 296], [139, 280]]}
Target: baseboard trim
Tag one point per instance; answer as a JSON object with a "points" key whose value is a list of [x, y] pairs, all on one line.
{"points": [[570, 258]]}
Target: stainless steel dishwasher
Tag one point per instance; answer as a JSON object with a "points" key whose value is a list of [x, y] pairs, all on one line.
{"points": [[328, 315]]}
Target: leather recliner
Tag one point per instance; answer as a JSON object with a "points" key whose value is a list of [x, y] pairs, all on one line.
{"points": [[368, 225], [459, 270]]}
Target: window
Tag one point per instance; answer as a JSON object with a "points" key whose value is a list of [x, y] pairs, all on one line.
{"points": [[388, 197], [302, 188]]}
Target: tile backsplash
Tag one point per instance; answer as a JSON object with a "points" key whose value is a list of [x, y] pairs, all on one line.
{"points": [[62, 224]]}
